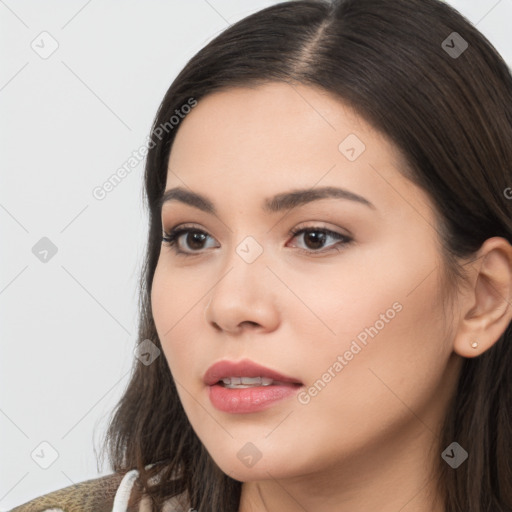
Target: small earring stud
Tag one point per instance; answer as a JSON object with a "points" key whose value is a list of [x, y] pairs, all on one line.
{"points": [[474, 344]]}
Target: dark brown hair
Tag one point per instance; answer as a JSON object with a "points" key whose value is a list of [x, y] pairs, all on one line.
{"points": [[449, 114]]}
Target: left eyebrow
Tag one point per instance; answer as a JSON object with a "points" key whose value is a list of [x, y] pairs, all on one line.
{"points": [[277, 203]]}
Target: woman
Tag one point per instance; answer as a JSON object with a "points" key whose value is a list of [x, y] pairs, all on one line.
{"points": [[326, 300]]}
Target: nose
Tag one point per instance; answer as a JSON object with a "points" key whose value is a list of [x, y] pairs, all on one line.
{"points": [[245, 298]]}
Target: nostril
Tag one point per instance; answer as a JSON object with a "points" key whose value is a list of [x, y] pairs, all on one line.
{"points": [[250, 323]]}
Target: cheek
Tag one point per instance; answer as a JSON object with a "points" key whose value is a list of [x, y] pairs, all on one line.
{"points": [[361, 294], [392, 358], [178, 313], [390, 348]]}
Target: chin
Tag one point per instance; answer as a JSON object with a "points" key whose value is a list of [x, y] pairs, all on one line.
{"points": [[247, 465]]}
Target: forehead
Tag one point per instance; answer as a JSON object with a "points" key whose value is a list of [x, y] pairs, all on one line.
{"points": [[269, 120], [257, 141]]}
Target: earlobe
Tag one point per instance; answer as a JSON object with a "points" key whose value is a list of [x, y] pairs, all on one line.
{"points": [[488, 304]]}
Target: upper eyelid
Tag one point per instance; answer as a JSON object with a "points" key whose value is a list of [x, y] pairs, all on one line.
{"points": [[299, 225], [180, 229], [194, 227]]}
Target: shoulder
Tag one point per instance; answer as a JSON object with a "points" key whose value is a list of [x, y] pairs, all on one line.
{"points": [[91, 495], [111, 493]]}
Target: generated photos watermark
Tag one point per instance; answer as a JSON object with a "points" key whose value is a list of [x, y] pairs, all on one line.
{"points": [[101, 191], [305, 396]]}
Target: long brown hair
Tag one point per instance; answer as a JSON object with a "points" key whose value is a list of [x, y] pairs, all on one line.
{"points": [[448, 108]]}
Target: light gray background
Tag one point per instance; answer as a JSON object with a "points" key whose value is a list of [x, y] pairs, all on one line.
{"points": [[68, 122]]}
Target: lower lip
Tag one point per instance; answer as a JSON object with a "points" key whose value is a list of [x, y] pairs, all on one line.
{"points": [[247, 400]]}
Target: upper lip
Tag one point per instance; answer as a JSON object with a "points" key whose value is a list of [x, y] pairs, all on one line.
{"points": [[245, 368]]}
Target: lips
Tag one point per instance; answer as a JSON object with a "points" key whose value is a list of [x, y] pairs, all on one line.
{"points": [[246, 368], [246, 387]]}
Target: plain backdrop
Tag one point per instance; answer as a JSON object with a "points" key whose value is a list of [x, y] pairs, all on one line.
{"points": [[80, 82]]}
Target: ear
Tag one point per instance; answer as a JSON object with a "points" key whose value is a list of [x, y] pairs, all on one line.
{"points": [[487, 304]]}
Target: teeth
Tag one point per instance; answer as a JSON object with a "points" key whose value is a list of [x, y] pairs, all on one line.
{"points": [[246, 382]]}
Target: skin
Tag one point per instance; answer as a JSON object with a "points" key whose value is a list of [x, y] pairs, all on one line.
{"points": [[368, 439]]}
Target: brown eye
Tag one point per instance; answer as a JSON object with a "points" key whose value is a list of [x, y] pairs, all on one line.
{"points": [[315, 238], [194, 240]]}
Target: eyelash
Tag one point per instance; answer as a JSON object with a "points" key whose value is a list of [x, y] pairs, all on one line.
{"points": [[170, 239]]}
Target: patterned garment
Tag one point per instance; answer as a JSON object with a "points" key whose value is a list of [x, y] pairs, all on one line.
{"points": [[110, 493]]}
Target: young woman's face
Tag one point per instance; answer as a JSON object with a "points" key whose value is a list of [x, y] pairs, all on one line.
{"points": [[350, 310]]}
